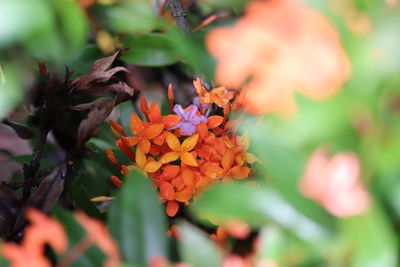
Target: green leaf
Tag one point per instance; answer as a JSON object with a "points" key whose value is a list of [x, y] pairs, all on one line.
{"points": [[22, 18], [82, 199], [3, 261], [135, 16], [283, 165], [66, 34], [191, 50], [10, 87], [93, 256], [152, 50], [137, 222], [197, 249], [209, 6], [257, 206], [370, 239]]}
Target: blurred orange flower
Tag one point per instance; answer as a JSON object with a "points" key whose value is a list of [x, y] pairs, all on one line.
{"points": [[283, 46], [97, 233], [335, 183], [42, 230]]}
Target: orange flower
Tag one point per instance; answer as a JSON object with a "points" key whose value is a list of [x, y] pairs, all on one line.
{"points": [[284, 47], [181, 151], [144, 164], [98, 235], [335, 183], [209, 152], [220, 96], [144, 133], [42, 230]]}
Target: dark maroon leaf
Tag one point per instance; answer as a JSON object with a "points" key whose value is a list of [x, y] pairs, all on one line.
{"points": [[10, 206], [99, 110], [20, 129], [49, 190], [43, 69], [45, 197], [101, 79]]}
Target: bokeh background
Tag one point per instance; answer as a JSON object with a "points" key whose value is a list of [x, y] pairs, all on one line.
{"points": [[360, 121]]}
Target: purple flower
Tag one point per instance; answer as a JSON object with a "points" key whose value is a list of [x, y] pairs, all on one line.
{"points": [[189, 119]]}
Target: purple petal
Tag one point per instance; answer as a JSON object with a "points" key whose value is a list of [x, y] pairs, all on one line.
{"points": [[179, 110]]}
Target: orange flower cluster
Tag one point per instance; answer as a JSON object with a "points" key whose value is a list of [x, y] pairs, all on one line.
{"points": [[284, 47], [183, 153], [44, 230]]}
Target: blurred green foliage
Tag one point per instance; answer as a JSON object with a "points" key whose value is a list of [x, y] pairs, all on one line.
{"points": [[294, 231]]}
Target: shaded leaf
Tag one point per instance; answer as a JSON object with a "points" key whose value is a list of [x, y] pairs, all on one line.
{"points": [[257, 206], [82, 199], [197, 249], [10, 206], [155, 49], [49, 190], [20, 129], [11, 85], [99, 110], [101, 79], [45, 197], [137, 221]]}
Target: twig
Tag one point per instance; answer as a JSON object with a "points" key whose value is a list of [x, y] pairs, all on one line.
{"points": [[179, 13], [33, 166], [72, 255]]}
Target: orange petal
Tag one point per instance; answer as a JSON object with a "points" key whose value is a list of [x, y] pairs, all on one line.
{"points": [[250, 158], [115, 133], [188, 178], [219, 101], [132, 140], [199, 87], [123, 145], [159, 140], [136, 124], [170, 156], [144, 107], [170, 120], [214, 171], [173, 141], [154, 113], [116, 181], [111, 157], [155, 150], [178, 182], [240, 172], [101, 199], [188, 159], [202, 129], [167, 190], [203, 182], [244, 141], [239, 158], [153, 131], [140, 159], [116, 126], [170, 171], [214, 121], [190, 142], [171, 92], [184, 195], [219, 146], [227, 159], [144, 145], [172, 208], [205, 151], [152, 166]]}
